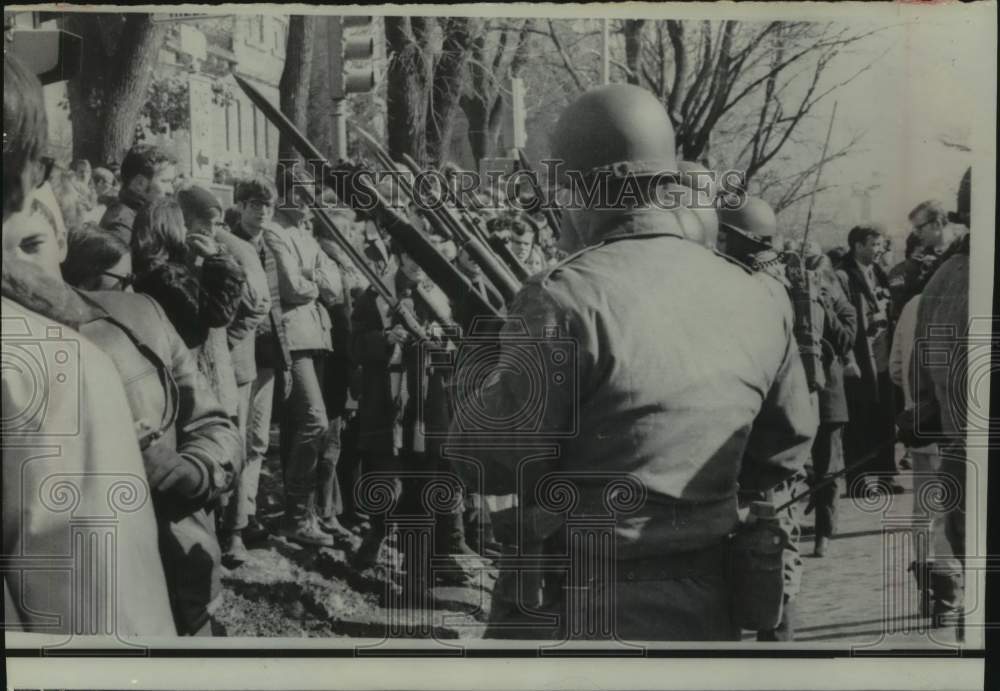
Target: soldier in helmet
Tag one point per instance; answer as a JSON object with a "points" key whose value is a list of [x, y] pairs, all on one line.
{"points": [[743, 229], [655, 415]]}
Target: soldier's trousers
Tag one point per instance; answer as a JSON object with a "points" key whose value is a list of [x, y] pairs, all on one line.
{"points": [[415, 504], [827, 459]]}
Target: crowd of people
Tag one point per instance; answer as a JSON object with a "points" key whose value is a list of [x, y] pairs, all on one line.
{"points": [[202, 324]]}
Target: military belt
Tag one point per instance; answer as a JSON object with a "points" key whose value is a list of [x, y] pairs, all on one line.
{"points": [[704, 562]]}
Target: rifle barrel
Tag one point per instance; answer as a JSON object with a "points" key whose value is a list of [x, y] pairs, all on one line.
{"points": [[455, 285]]}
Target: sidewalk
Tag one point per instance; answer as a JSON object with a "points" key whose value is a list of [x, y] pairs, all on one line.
{"points": [[860, 593]]}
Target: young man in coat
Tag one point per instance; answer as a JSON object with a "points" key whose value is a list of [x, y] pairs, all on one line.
{"points": [[309, 283], [255, 200], [869, 438]]}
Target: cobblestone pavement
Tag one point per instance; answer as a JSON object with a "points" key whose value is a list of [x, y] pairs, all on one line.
{"points": [[861, 593]]}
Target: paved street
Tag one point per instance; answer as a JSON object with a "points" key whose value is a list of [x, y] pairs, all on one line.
{"points": [[860, 592]]}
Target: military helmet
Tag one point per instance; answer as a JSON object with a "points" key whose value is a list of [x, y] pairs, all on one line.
{"points": [[746, 230], [754, 217], [620, 128]]}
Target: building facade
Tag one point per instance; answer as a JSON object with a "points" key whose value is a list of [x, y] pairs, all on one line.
{"points": [[226, 135]]}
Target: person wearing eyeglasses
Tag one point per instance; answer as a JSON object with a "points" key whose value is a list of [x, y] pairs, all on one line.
{"points": [[254, 209], [97, 260], [186, 445], [931, 236], [39, 310]]}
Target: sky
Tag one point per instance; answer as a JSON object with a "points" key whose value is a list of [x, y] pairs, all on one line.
{"points": [[930, 83]]}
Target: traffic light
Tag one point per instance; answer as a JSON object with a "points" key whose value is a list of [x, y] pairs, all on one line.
{"points": [[356, 45], [54, 56]]}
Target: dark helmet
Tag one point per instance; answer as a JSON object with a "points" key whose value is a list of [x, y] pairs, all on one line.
{"points": [[619, 127]]}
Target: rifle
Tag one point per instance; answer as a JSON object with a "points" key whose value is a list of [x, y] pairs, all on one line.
{"points": [[550, 215], [397, 307], [351, 186], [867, 458], [471, 230], [443, 221]]}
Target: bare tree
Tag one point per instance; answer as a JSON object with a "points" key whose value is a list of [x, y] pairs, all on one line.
{"points": [[447, 83], [293, 89], [408, 76], [783, 190], [773, 75], [498, 52], [107, 96], [318, 118]]}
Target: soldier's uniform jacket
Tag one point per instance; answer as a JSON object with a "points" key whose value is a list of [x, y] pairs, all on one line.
{"points": [[688, 377], [391, 415]]}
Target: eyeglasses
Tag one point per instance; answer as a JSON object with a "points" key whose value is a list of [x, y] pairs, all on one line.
{"points": [[47, 163], [123, 281]]}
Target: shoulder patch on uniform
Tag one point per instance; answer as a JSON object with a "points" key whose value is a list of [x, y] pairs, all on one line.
{"points": [[731, 260]]}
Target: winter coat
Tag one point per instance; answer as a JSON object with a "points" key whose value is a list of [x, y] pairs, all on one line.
{"points": [[253, 308], [200, 303], [69, 462], [191, 450], [308, 281]]}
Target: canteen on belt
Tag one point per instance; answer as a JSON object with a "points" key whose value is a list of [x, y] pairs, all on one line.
{"points": [[757, 569]]}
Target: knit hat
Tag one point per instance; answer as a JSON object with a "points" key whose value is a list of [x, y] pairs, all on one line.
{"points": [[197, 203]]}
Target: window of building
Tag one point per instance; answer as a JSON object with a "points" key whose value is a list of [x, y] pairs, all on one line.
{"points": [[229, 134], [239, 126], [267, 140], [260, 26], [256, 147]]}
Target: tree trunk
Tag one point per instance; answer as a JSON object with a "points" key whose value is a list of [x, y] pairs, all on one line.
{"points": [[446, 87], [406, 98], [106, 98], [633, 48], [293, 89], [479, 130], [319, 118]]}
